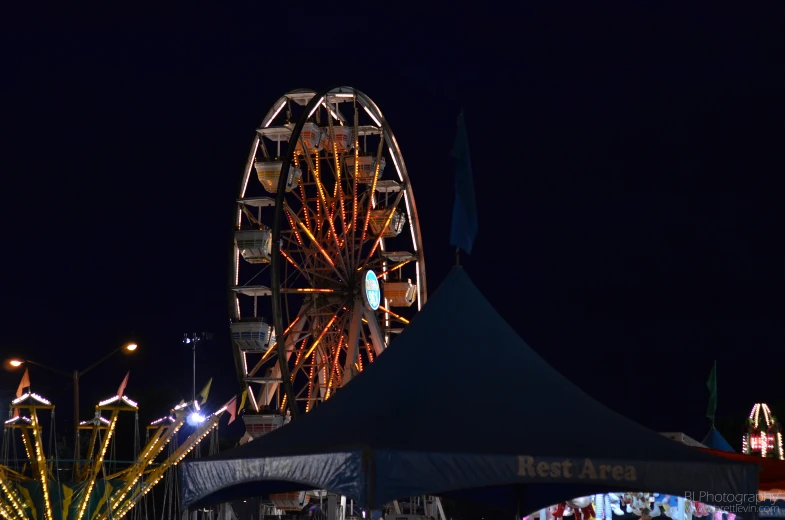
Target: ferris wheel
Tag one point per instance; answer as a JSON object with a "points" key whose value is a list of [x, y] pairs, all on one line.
{"points": [[328, 263]]}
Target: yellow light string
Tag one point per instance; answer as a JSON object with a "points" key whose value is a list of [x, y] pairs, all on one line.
{"points": [[336, 351], [275, 344], [178, 456], [318, 200], [16, 503], [370, 205], [385, 273], [321, 193], [289, 259], [381, 233], [94, 470], [396, 316], [324, 331], [310, 383], [323, 370], [294, 228], [316, 243], [159, 440], [297, 359], [338, 183], [355, 201], [41, 463]]}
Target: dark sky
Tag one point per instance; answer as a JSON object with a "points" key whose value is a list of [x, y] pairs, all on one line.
{"points": [[628, 162]]}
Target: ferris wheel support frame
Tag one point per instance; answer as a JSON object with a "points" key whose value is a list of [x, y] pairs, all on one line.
{"points": [[275, 257], [238, 361]]}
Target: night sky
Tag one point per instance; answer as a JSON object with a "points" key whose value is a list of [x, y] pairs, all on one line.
{"points": [[628, 164]]}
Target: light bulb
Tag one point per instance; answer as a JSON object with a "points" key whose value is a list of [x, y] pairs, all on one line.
{"points": [[195, 419]]}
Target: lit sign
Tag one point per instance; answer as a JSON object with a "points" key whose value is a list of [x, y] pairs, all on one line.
{"points": [[757, 442], [373, 295]]}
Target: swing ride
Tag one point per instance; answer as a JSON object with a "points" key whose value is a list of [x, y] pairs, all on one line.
{"points": [[37, 485]]}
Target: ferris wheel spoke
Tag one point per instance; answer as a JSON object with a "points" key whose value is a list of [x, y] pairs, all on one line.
{"points": [[305, 209], [337, 172], [334, 369], [377, 339], [295, 275], [367, 219], [298, 238], [309, 267], [315, 242], [312, 372], [352, 344], [319, 338], [295, 327], [355, 186], [339, 243], [322, 196], [394, 268], [292, 335], [394, 315], [304, 273]]}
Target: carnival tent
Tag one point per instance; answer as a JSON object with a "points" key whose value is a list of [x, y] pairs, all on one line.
{"points": [[771, 480], [716, 441], [460, 405]]}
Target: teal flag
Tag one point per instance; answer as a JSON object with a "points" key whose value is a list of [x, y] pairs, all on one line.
{"points": [[464, 212], [711, 411]]}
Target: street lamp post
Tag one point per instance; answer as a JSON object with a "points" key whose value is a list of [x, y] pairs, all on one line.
{"points": [[193, 339], [75, 375]]}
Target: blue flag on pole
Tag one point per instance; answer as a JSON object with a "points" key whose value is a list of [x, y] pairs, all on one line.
{"points": [[464, 211]]}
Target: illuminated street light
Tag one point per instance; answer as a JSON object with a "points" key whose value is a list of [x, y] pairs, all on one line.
{"points": [[16, 363], [131, 347]]}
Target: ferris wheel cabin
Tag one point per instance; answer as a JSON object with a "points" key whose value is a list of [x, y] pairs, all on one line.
{"points": [[311, 135], [255, 245], [270, 171], [400, 294], [343, 139], [387, 222], [366, 167]]}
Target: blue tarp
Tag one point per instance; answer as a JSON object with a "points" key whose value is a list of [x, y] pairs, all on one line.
{"points": [[459, 405], [716, 441]]}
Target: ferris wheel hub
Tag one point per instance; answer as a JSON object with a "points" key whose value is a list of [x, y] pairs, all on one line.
{"points": [[367, 289]]}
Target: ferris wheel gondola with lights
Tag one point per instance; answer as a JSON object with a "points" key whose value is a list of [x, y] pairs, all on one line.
{"points": [[327, 250]]}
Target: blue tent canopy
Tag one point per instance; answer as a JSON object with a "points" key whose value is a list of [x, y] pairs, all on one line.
{"points": [[716, 441], [432, 416]]}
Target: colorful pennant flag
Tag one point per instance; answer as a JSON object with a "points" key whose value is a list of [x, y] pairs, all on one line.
{"points": [[243, 399], [231, 407], [121, 388], [205, 392], [24, 383]]}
